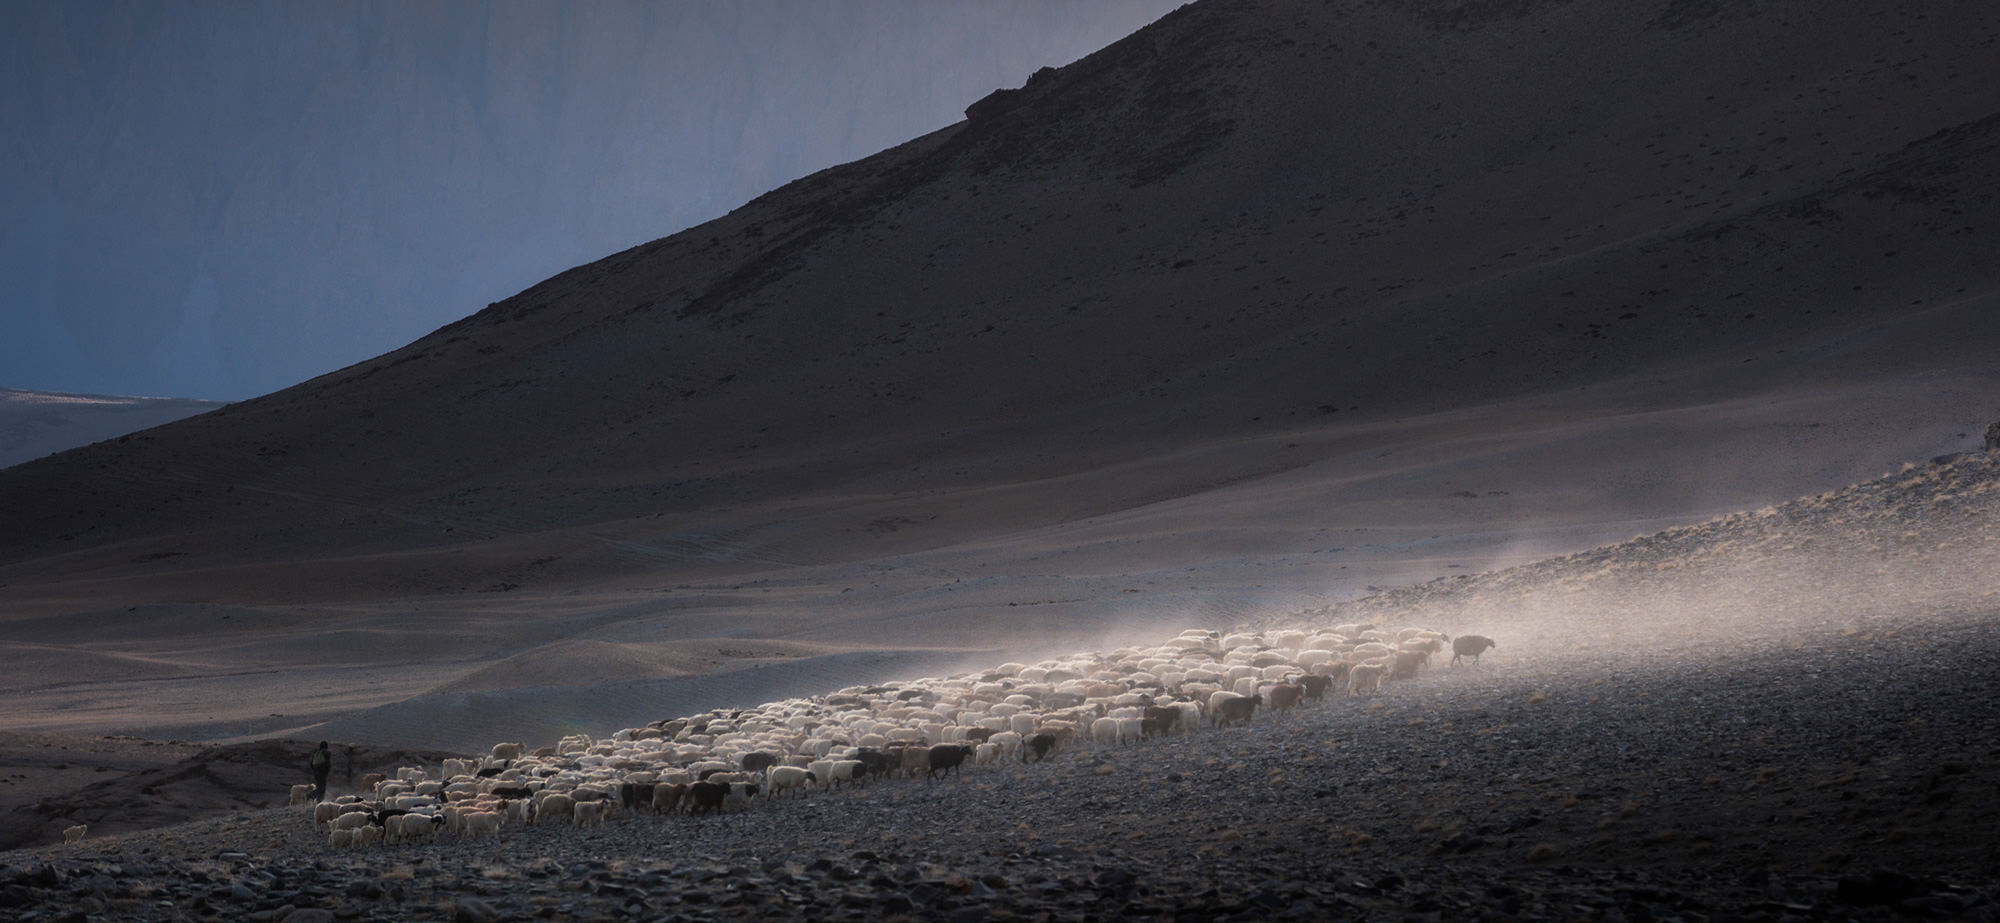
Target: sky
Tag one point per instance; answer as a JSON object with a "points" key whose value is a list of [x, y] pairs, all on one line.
{"points": [[221, 199]]}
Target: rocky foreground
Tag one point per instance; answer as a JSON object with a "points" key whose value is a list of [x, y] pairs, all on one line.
{"points": [[1817, 775], [1786, 714]]}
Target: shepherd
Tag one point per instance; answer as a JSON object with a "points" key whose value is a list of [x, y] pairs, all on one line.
{"points": [[322, 766]]}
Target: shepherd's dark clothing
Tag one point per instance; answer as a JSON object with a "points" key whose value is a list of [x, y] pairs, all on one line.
{"points": [[322, 766]]}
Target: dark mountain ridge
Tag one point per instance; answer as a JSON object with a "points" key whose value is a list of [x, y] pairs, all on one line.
{"points": [[1246, 222]]}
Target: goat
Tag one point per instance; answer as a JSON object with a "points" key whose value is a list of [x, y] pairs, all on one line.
{"points": [[1406, 664], [1232, 711], [1286, 695], [1469, 646], [706, 796], [947, 758]]}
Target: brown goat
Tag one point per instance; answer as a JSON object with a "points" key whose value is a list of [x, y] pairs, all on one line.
{"points": [[1286, 695], [1407, 663], [1063, 730], [1235, 710], [667, 797]]}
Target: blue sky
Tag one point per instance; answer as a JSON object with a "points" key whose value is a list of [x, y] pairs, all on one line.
{"points": [[220, 199]]}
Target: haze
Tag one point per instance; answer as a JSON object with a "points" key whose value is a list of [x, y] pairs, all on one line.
{"points": [[1272, 313]]}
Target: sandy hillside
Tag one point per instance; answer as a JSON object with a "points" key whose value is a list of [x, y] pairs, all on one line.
{"points": [[1261, 307]]}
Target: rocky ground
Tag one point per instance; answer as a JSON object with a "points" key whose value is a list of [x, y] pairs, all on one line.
{"points": [[133, 784], [1779, 715], [1838, 777]]}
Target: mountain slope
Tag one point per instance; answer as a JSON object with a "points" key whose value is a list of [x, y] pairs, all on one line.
{"points": [[220, 202], [1244, 286]]}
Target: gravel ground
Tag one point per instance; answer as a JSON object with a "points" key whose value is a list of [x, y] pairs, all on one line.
{"points": [[1847, 779], [1787, 714]]}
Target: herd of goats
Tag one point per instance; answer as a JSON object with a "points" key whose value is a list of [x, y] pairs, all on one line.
{"points": [[718, 762]]}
